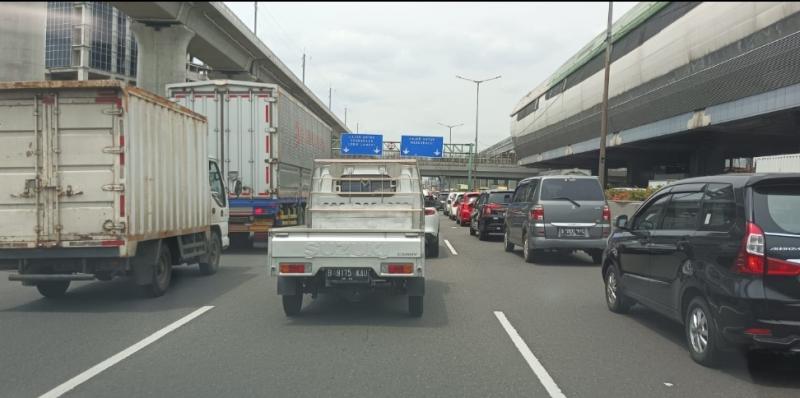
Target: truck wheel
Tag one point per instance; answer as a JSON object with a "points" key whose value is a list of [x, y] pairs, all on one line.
{"points": [[292, 304], [210, 263], [162, 274], [415, 305], [432, 250], [53, 289]]}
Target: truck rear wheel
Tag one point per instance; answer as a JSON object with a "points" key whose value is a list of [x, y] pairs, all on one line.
{"points": [[415, 306], [53, 289], [161, 275], [432, 249], [210, 264], [292, 304]]}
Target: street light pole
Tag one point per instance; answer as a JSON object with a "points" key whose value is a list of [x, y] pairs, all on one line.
{"points": [[474, 164], [450, 127], [601, 167]]}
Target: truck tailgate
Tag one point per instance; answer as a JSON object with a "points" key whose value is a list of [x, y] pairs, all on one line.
{"points": [[345, 248]]}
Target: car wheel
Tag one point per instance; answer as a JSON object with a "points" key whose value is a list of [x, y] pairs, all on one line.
{"points": [[415, 306], [210, 264], [701, 333], [597, 256], [527, 250], [616, 301], [482, 235], [507, 245], [162, 274], [292, 303], [471, 230], [52, 289]]}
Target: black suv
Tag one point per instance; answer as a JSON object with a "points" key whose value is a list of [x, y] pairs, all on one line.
{"points": [[719, 254], [489, 214]]}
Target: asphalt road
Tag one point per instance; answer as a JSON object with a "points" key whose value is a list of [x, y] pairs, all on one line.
{"points": [[245, 346]]}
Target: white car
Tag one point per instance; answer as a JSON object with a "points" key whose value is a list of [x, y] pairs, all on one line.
{"points": [[431, 232], [454, 205]]}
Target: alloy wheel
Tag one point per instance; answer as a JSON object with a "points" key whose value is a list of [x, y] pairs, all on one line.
{"points": [[698, 330]]}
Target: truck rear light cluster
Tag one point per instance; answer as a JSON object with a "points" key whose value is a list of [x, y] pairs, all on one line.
{"points": [[258, 211], [295, 268], [400, 268], [430, 211]]}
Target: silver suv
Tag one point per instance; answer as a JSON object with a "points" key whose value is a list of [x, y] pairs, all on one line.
{"points": [[564, 213]]}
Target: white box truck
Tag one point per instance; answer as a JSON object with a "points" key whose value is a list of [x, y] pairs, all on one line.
{"points": [[789, 163], [101, 180], [266, 141]]}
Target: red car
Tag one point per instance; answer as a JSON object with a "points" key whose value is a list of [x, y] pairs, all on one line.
{"points": [[465, 208]]}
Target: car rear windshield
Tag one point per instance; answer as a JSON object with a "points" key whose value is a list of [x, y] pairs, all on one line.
{"points": [[777, 207], [443, 196], [500, 197], [572, 188]]}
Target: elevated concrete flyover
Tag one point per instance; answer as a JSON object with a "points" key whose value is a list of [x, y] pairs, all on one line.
{"points": [[167, 32], [680, 103]]}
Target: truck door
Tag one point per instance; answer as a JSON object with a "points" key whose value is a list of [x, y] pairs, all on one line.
{"points": [[219, 202]]}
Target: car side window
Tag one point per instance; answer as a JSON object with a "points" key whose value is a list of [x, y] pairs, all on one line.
{"points": [[682, 211], [718, 208], [531, 196], [520, 194], [648, 218]]}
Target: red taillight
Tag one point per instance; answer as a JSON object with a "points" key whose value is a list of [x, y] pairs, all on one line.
{"points": [[537, 213], [751, 255], [606, 214], [400, 268], [258, 211], [429, 211], [778, 267], [111, 243], [293, 268], [758, 332]]}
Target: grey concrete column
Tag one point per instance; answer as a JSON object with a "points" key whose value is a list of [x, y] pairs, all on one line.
{"points": [[22, 35], [162, 55]]}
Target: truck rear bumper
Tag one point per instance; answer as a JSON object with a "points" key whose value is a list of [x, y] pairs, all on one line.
{"points": [[292, 285]]}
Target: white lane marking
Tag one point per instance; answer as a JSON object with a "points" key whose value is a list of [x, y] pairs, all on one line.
{"points": [[96, 369], [536, 366], [449, 246]]}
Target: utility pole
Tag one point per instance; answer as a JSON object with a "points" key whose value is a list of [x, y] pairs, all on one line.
{"points": [[304, 67], [345, 116], [601, 170], [330, 96], [255, 18], [474, 165], [356, 127]]}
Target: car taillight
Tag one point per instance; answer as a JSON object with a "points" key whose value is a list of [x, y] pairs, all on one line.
{"points": [[758, 332], [778, 267], [606, 214], [404, 268], [429, 211], [294, 268], [606, 221], [537, 213], [751, 255]]}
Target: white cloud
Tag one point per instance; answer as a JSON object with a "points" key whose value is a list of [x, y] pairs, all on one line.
{"points": [[393, 65]]}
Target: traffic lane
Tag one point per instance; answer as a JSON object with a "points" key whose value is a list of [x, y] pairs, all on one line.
{"points": [[557, 306], [45, 342], [246, 346]]}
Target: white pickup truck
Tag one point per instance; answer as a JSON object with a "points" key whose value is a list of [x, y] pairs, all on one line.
{"points": [[365, 231]]}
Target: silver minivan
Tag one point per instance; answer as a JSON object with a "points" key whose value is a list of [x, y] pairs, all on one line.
{"points": [[564, 213]]}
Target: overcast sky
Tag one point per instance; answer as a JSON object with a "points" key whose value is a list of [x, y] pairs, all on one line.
{"points": [[393, 65]]}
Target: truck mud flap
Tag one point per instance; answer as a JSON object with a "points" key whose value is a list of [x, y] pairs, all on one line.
{"points": [[415, 286], [144, 260], [288, 286]]}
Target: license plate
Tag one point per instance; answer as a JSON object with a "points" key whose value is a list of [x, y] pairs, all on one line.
{"points": [[573, 233], [347, 274]]}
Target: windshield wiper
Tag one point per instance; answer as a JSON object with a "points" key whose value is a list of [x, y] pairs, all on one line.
{"points": [[566, 198]]}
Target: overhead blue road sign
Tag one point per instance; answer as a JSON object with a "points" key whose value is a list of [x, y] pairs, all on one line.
{"points": [[411, 145], [361, 144]]}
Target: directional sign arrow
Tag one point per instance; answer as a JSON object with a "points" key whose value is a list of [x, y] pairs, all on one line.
{"points": [[405, 152], [437, 153], [376, 150], [345, 150]]}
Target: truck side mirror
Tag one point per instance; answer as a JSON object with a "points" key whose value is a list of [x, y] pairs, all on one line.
{"points": [[237, 188], [622, 222]]}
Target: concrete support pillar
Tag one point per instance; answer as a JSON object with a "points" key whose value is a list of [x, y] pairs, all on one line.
{"points": [[639, 172], [709, 160], [162, 55], [22, 34]]}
